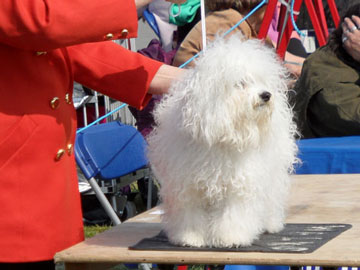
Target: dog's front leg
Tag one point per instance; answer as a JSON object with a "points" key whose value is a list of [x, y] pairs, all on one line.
{"points": [[275, 204], [275, 215], [186, 226], [236, 223]]}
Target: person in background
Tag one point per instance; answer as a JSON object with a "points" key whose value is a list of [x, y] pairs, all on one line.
{"points": [[185, 19], [221, 16], [327, 94], [225, 14], [44, 47], [160, 10]]}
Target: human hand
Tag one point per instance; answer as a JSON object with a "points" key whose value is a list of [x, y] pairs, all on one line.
{"points": [[351, 36], [176, 1], [293, 63], [164, 78]]}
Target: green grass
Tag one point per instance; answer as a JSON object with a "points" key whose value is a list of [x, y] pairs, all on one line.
{"points": [[91, 231]]}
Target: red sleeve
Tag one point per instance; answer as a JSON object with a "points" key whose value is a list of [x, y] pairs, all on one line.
{"points": [[114, 71], [48, 24]]}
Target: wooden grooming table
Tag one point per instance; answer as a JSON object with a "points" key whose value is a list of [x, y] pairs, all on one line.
{"points": [[313, 199]]}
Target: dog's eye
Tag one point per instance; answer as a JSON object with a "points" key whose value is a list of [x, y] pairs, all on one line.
{"points": [[240, 85]]}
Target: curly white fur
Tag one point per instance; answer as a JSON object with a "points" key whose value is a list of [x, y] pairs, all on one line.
{"points": [[223, 153]]}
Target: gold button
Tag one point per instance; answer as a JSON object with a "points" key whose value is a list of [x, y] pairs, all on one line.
{"points": [[40, 53], [59, 154], [109, 36], [124, 33], [67, 98], [69, 149], [54, 103]]}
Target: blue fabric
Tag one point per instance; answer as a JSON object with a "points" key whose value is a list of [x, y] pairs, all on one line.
{"points": [[334, 155], [150, 18], [110, 150], [256, 267]]}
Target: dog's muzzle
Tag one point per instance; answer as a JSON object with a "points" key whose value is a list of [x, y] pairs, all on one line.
{"points": [[265, 96]]}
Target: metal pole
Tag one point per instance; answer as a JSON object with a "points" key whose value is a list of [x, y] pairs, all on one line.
{"points": [[104, 202]]}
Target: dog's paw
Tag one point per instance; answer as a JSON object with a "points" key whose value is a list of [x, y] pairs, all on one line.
{"points": [[243, 241], [234, 239], [188, 239], [274, 226]]}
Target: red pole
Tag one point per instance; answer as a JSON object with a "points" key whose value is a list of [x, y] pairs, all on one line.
{"points": [[269, 13], [283, 43], [321, 15], [334, 12], [315, 22]]}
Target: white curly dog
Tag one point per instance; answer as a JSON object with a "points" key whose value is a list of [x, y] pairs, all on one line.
{"points": [[224, 147]]}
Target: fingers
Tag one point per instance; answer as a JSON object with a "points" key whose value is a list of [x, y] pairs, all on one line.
{"points": [[351, 37], [356, 20], [349, 27]]}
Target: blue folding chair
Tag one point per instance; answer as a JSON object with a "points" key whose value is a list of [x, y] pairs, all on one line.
{"points": [[113, 155], [331, 155]]}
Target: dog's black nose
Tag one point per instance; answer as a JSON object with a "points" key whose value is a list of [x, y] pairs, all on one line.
{"points": [[265, 96]]}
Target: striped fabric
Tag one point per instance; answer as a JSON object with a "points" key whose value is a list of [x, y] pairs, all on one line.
{"points": [[321, 268]]}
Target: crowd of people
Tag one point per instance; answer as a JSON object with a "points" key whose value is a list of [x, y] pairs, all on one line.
{"points": [[324, 99], [221, 16], [45, 46]]}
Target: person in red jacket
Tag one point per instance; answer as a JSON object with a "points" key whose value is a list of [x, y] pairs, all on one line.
{"points": [[45, 45]]}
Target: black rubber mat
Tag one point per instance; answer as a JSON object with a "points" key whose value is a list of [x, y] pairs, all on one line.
{"points": [[294, 238]]}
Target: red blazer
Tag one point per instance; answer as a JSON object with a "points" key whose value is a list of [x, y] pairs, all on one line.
{"points": [[40, 211]]}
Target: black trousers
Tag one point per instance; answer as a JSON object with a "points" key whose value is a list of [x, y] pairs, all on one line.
{"points": [[43, 265]]}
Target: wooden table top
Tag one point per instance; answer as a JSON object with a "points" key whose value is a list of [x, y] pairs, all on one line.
{"points": [[314, 199]]}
